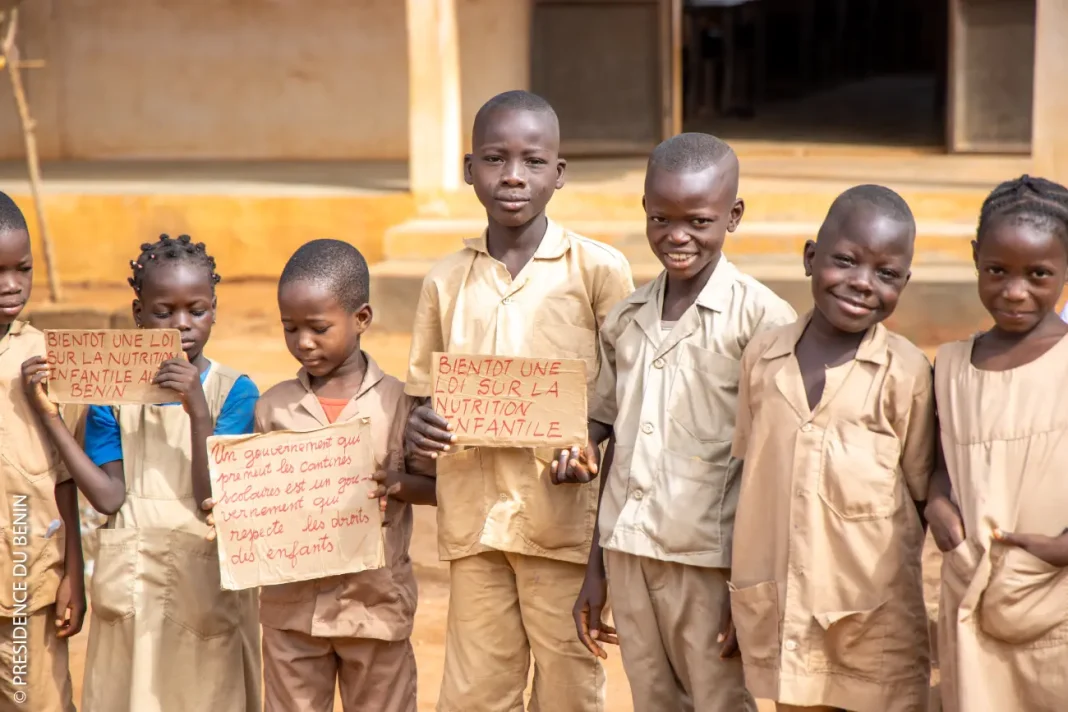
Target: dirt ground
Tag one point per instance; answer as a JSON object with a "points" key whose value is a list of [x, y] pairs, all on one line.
{"points": [[254, 343]]}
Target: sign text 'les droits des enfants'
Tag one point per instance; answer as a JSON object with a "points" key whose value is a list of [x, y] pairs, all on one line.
{"points": [[109, 366], [294, 506], [507, 401]]}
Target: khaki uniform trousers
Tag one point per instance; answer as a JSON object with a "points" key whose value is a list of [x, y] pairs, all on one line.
{"points": [[502, 608], [668, 618], [300, 672], [36, 679]]}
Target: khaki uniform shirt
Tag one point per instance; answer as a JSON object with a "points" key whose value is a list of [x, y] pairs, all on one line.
{"points": [[827, 589], [670, 396], [502, 498], [379, 603], [30, 469]]}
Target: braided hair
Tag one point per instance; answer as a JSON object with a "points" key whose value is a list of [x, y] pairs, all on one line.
{"points": [[167, 249], [1032, 201]]}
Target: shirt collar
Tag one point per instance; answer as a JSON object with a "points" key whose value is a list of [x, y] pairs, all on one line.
{"points": [[371, 377], [715, 295], [14, 329], [874, 348], [554, 244]]}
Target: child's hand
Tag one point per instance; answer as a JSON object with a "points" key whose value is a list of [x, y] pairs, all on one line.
{"points": [[587, 613], [70, 606], [947, 527], [208, 505], [1052, 550], [728, 637], [34, 375], [387, 484], [427, 433], [182, 376], [574, 467]]}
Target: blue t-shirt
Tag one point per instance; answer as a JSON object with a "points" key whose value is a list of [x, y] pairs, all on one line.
{"points": [[103, 439]]}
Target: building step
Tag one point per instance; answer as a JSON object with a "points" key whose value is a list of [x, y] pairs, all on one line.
{"points": [[940, 303], [432, 239]]}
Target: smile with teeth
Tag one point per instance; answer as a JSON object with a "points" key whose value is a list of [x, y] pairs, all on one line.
{"points": [[680, 258], [855, 306]]}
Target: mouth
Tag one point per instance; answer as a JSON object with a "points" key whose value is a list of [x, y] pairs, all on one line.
{"points": [[1013, 315], [11, 307], [679, 260], [854, 307], [312, 363], [512, 203]]}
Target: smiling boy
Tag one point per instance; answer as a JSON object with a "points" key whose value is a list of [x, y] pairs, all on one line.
{"points": [[666, 390], [516, 543], [836, 428]]}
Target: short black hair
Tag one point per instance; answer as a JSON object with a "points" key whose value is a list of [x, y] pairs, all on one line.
{"points": [[1034, 201], [11, 217], [691, 153], [169, 250], [334, 264], [882, 200], [514, 100]]}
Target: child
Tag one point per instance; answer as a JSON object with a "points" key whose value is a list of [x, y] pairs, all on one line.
{"points": [[353, 629], [164, 636], [517, 544], [836, 427], [998, 504], [666, 390], [42, 602]]}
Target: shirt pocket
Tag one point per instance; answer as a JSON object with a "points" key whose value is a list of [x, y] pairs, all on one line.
{"points": [[1025, 599], [755, 613], [111, 589], [194, 598], [564, 327], [33, 456], [686, 508], [859, 473], [704, 395], [853, 642], [558, 516], [462, 505]]}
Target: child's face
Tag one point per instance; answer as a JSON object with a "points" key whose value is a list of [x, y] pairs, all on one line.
{"points": [[1021, 273], [16, 274], [320, 333], [688, 216], [515, 166], [859, 268], [178, 295]]}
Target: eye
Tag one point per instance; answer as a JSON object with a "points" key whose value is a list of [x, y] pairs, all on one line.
{"points": [[537, 161], [888, 274], [289, 329], [994, 270], [1041, 273], [161, 315], [321, 329], [25, 268], [657, 219], [493, 159], [702, 222], [198, 312], [843, 260]]}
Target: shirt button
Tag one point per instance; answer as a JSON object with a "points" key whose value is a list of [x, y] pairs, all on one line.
{"points": [[659, 363], [791, 645], [504, 498], [647, 428], [806, 428], [506, 300], [637, 494], [799, 493]]}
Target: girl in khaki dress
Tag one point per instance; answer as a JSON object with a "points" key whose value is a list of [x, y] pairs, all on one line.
{"points": [[998, 506], [164, 637]]}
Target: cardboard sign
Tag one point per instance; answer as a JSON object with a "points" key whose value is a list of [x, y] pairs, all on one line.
{"points": [[109, 366], [510, 401], [293, 506]]}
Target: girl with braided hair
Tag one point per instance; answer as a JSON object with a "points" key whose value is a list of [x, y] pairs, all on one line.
{"points": [[998, 502], [164, 637]]}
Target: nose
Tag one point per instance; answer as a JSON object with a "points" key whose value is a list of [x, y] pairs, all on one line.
{"points": [[305, 341], [182, 321], [514, 174], [1015, 290], [678, 235], [860, 280]]}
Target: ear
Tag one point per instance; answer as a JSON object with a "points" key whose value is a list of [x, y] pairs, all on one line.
{"points": [[561, 169], [809, 257], [975, 255], [737, 211], [214, 307], [646, 210], [363, 316], [468, 177], [136, 310]]}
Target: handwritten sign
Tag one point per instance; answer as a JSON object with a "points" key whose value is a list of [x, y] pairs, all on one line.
{"points": [[293, 506], [511, 402], [109, 366]]}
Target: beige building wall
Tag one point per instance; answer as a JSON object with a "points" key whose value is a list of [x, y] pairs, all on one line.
{"points": [[242, 79]]}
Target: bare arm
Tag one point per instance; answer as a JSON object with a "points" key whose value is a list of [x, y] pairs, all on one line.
{"points": [[104, 486], [67, 503]]}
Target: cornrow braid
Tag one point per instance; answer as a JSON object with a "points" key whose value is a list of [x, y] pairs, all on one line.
{"points": [[1035, 201], [167, 248]]}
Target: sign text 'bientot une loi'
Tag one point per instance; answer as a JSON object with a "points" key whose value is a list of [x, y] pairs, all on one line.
{"points": [[510, 401], [294, 506], [109, 366]]}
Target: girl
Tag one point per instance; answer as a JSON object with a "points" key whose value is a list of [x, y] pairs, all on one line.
{"points": [[164, 637], [998, 504]]}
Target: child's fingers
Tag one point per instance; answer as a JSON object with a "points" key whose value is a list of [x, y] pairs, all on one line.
{"points": [[208, 504], [425, 415], [607, 634], [210, 536]]}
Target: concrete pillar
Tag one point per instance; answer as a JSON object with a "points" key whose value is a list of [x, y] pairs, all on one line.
{"points": [[435, 138], [1049, 144]]}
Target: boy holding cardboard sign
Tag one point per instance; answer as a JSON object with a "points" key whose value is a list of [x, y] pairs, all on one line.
{"points": [[42, 599], [666, 391], [350, 630], [516, 543]]}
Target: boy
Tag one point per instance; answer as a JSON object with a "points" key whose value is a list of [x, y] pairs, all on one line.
{"points": [[516, 543], [836, 427], [666, 391], [42, 601], [350, 630]]}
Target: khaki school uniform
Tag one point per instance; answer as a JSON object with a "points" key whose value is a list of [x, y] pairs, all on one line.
{"points": [[1003, 618], [30, 469], [667, 512], [164, 637], [353, 629], [827, 590], [516, 542]]}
